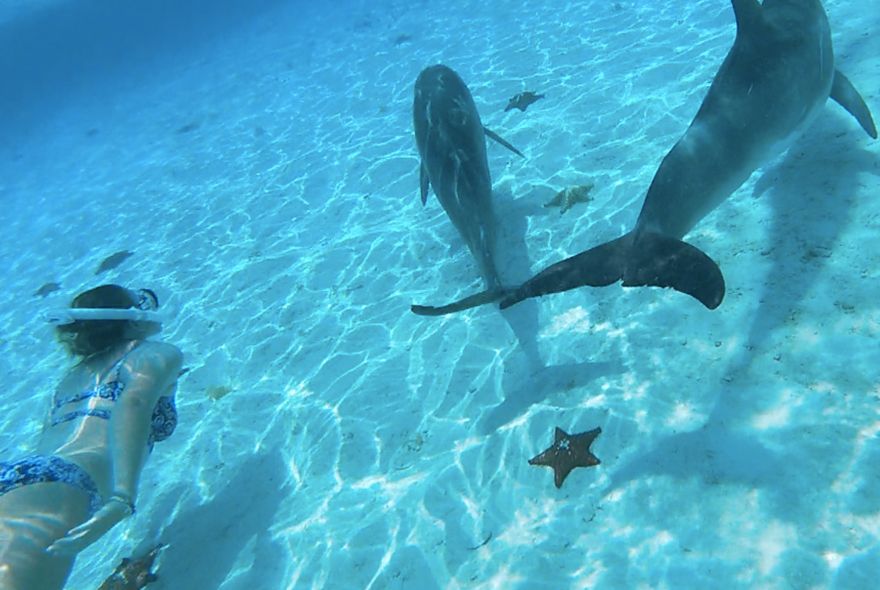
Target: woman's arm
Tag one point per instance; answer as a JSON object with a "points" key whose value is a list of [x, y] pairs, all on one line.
{"points": [[148, 374]]}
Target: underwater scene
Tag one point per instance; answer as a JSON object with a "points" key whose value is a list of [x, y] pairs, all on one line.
{"points": [[689, 398]]}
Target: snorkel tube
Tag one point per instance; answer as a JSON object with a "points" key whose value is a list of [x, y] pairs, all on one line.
{"points": [[65, 316], [145, 305]]}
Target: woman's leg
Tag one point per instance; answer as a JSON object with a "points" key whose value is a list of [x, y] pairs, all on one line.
{"points": [[32, 517]]}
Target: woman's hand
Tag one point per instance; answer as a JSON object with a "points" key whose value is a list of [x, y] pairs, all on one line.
{"points": [[78, 538]]}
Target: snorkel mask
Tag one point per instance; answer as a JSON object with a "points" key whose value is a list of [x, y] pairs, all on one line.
{"points": [[144, 311]]}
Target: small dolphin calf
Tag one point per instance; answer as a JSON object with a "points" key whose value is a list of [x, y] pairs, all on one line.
{"points": [[776, 77], [452, 145]]}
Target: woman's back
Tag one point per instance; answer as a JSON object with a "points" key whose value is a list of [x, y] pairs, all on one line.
{"points": [[78, 425]]}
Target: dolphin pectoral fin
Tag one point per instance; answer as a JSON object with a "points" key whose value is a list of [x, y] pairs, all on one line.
{"points": [[492, 135], [657, 260], [468, 302], [597, 267], [423, 183], [846, 95]]}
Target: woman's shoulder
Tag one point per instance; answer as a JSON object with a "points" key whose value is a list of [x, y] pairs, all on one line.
{"points": [[155, 355], [158, 347]]}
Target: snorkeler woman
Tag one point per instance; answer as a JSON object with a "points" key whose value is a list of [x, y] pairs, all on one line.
{"points": [[108, 410]]}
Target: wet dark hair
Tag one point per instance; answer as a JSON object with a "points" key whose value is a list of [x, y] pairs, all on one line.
{"points": [[85, 338]]}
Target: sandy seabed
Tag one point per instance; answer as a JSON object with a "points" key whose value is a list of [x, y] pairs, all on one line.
{"points": [[267, 185]]}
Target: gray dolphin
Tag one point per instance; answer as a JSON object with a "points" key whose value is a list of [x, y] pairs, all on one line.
{"points": [[452, 145], [774, 80]]}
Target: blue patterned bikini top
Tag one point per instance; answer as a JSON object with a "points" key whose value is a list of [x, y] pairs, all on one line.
{"points": [[164, 418]]}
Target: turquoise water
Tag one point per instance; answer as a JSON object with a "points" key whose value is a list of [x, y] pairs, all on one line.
{"points": [[260, 164]]}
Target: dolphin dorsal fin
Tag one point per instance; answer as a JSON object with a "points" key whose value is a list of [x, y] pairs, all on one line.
{"points": [[749, 15]]}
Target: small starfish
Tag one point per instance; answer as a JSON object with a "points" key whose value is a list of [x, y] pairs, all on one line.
{"points": [[568, 452], [522, 101], [133, 573], [568, 197]]}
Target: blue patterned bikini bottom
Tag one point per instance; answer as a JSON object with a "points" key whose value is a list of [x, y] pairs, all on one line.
{"points": [[45, 469]]}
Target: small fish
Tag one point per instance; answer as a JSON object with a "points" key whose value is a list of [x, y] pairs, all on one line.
{"points": [[522, 101], [192, 126], [46, 289], [133, 574], [113, 261]]}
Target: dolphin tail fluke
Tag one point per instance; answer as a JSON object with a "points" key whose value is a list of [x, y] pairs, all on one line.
{"points": [[657, 260], [597, 267], [846, 95], [492, 135], [468, 302], [648, 259]]}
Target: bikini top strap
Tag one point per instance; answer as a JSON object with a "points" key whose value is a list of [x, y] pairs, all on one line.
{"points": [[117, 366], [109, 377]]}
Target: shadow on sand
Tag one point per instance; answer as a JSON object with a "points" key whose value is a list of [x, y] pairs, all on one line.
{"points": [[206, 543], [807, 223], [515, 267], [808, 220]]}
